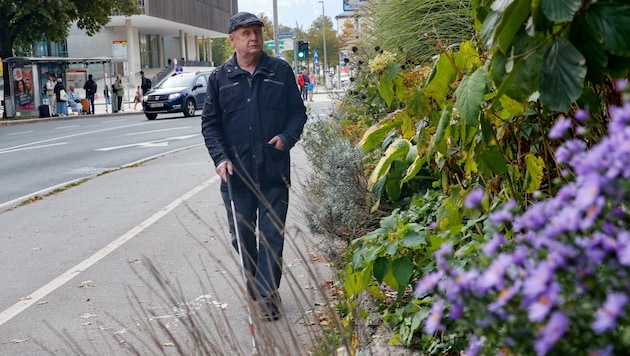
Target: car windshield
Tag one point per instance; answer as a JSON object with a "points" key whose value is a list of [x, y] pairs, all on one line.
{"points": [[177, 81]]}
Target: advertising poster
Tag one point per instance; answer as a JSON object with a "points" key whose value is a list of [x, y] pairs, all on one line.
{"points": [[23, 88], [48, 71]]}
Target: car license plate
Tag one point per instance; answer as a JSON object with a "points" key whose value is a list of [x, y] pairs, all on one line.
{"points": [[156, 105]]}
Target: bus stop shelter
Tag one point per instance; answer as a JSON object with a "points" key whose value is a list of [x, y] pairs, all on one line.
{"points": [[28, 77]]}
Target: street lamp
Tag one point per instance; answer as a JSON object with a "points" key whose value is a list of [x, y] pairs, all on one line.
{"points": [[324, 31]]}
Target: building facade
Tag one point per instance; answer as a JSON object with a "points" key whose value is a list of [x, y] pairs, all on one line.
{"points": [[165, 29]]}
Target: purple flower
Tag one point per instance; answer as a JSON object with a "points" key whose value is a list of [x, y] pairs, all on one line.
{"points": [[606, 317], [537, 281], [490, 247], [474, 198], [428, 283], [505, 296], [551, 333], [538, 310], [582, 115], [607, 351], [560, 127], [493, 277], [433, 322], [620, 84], [503, 214], [474, 345]]}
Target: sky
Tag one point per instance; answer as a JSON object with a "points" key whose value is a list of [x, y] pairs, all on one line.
{"points": [[304, 12]]}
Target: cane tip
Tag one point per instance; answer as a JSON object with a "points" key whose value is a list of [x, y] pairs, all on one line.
{"points": [[255, 352]]}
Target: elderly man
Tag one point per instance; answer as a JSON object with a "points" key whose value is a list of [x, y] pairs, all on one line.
{"points": [[252, 116]]}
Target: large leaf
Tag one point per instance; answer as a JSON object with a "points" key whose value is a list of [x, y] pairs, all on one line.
{"points": [[394, 180], [386, 84], [611, 20], [560, 10], [522, 80], [440, 85], [402, 268], [489, 160], [511, 22], [590, 44], [534, 175], [396, 150], [356, 280], [381, 266], [375, 134], [562, 75], [470, 94], [414, 168]]}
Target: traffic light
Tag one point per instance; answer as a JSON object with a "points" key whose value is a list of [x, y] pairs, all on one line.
{"points": [[303, 49]]}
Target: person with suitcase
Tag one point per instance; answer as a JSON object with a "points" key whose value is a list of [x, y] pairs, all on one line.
{"points": [[90, 90]]}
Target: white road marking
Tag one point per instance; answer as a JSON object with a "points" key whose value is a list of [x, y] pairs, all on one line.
{"points": [[64, 278], [154, 143], [68, 136], [20, 133], [6, 150], [152, 131], [65, 127]]}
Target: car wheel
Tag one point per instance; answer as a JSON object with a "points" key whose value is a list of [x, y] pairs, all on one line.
{"points": [[189, 108], [150, 115]]}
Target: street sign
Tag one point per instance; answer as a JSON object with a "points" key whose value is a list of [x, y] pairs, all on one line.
{"points": [[285, 35], [284, 45], [315, 57]]}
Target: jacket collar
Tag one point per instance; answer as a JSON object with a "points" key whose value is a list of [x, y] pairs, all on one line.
{"points": [[264, 66]]}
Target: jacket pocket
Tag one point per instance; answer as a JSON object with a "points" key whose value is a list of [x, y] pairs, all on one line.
{"points": [[275, 166], [231, 98]]}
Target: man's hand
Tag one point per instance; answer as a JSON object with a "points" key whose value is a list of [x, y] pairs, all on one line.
{"points": [[223, 169], [277, 143]]}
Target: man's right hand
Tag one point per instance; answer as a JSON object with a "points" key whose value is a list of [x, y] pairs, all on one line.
{"points": [[223, 169]]}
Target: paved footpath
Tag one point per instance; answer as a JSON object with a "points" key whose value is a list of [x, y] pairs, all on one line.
{"points": [[137, 261]]}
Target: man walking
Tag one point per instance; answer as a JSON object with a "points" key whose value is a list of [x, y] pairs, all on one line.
{"points": [[145, 83], [252, 116]]}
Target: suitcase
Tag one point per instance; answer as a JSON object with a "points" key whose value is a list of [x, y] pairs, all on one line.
{"points": [[44, 111], [85, 103]]}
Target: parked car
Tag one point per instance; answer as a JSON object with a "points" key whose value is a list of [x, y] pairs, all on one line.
{"points": [[183, 92], [341, 81]]}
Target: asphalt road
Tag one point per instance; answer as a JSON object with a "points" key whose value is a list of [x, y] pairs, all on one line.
{"points": [[76, 267]]}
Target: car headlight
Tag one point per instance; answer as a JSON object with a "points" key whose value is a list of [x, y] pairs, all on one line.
{"points": [[145, 98], [174, 96]]}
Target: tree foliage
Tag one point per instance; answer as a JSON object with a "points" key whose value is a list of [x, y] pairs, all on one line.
{"points": [[26, 21]]}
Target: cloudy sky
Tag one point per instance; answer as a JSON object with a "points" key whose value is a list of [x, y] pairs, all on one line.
{"points": [[304, 12]]}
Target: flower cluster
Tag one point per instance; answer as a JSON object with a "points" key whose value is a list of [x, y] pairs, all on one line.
{"points": [[381, 61], [555, 277]]}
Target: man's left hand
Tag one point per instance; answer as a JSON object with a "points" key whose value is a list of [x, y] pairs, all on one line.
{"points": [[277, 143]]}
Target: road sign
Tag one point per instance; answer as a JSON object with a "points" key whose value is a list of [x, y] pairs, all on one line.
{"points": [[284, 45], [315, 57], [285, 35]]}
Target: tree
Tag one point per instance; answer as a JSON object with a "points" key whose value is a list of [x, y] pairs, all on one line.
{"points": [[316, 40], [26, 21]]}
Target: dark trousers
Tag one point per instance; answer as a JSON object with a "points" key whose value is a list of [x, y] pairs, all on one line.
{"points": [[119, 102], [305, 92], [91, 100], [263, 258]]}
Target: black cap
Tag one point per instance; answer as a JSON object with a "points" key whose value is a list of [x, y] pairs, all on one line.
{"points": [[243, 19]]}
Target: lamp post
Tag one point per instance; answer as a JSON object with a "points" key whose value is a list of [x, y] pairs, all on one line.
{"points": [[324, 31]]}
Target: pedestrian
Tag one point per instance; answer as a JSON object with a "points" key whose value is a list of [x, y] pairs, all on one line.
{"points": [[90, 88], [138, 97], [145, 83], [62, 98], [118, 90], [50, 91], [311, 86], [252, 117], [74, 100], [304, 87]]}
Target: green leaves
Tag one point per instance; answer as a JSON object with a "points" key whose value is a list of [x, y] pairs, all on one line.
{"points": [[470, 94], [562, 75], [560, 10], [611, 20]]}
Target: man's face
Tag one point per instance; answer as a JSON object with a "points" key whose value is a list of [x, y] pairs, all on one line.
{"points": [[247, 40]]}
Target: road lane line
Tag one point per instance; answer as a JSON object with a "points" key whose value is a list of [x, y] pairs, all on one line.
{"points": [[33, 147], [64, 278], [154, 131], [20, 133]]}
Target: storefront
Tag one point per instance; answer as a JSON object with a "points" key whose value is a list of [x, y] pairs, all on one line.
{"points": [[26, 95]]}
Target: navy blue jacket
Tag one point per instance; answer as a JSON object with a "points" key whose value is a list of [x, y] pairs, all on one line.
{"points": [[242, 112]]}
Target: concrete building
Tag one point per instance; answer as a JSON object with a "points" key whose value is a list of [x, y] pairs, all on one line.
{"points": [[165, 29]]}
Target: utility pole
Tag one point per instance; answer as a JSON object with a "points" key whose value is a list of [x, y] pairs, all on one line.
{"points": [[325, 54], [276, 48]]}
